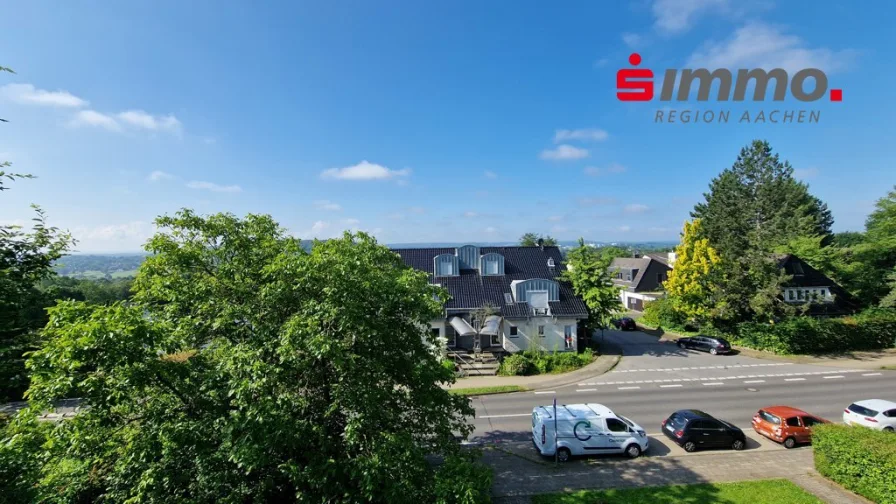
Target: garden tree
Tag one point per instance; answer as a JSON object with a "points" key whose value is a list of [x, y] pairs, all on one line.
{"points": [[246, 369], [878, 254], [692, 283], [751, 209], [26, 257], [589, 275], [611, 252], [531, 240]]}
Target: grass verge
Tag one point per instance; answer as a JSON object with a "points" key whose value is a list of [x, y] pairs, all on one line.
{"points": [[772, 491], [496, 389], [891, 368]]}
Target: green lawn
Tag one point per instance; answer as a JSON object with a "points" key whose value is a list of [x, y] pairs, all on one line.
{"points": [[748, 492], [124, 274], [892, 368], [498, 389]]}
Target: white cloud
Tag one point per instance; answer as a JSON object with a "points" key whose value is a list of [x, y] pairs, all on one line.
{"points": [[635, 208], [129, 236], [624, 229], [327, 205], [159, 175], [141, 119], [470, 214], [677, 16], [318, 227], [564, 153], [29, 95], [490, 174], [805, 173], [364, 171], [603, 200], [211, 186], [583, 135], [759, 45], [92, 118], [595, 171], [633, 40]]}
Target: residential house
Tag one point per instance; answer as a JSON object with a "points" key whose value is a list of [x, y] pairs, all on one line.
{"points": [[640, 278], [533, 307], [808, 285]]}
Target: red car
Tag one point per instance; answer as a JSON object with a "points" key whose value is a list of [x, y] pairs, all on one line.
{"points": [[786, 425]]}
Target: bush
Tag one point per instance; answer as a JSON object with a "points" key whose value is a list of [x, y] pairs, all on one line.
{"points": [[660, 313], [449, 365], [870, 330], [463, 480], [21, 440], [860, 459], [532, 362]]}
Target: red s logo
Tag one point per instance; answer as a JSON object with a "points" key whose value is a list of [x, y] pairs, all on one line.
{"points": [[633, 80]]}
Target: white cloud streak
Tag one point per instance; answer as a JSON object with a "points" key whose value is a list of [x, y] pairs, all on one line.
{"points": [[327, 205], [678, 16], [159, 175], [29, 95], [582, 135], [564, 153], [364, 170], [211, 186], [612, 168]]}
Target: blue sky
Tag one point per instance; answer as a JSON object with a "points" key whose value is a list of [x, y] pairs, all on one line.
{"points": [[419, 121]]}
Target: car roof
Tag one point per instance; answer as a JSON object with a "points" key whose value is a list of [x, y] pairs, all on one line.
{"points": [[572, 411], [785, 411], [692, 413], [877, 404]]}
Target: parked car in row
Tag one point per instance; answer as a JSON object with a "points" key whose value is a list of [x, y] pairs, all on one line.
{"points": [[786, 425], [872, 413], [709, 344], [585, 429], [694, 429], [625, 324]]}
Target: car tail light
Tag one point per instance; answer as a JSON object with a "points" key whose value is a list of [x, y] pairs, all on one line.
{"points": [[679, 433], [870, 419], [664, 422], [847, 411]]}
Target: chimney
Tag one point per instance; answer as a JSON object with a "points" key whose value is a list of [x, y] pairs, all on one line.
{"points": [[541, 243], [636, 254]]}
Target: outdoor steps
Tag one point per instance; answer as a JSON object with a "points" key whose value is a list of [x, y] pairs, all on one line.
{"points": [[476, 364]]}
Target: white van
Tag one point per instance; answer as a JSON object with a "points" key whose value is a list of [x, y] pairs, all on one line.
{"points": [[585, 429]]}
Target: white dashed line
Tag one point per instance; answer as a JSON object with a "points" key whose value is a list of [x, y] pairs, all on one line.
{"points": [[794, 379], [545, 392], [670, 386], [831, 377], [755, 381], [628, 388], [713, 384], [871, 374], [586, 390]]}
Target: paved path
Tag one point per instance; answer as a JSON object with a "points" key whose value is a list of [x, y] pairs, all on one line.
{"points": [[517, 478]]}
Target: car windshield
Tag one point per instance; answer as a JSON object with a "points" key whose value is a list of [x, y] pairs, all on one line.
{"points": [[768, 417], [629, 422], [861, 410]]}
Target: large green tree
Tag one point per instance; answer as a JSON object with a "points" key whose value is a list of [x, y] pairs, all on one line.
{"points": [[752, 209], [588, 272], [531, 240], [246, 369], [692, 283]]}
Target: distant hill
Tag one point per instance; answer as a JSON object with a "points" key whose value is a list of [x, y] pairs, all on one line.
{"points": [[99, 266]]}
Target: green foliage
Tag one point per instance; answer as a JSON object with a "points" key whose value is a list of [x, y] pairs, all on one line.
{"points": [[662, 313], [100, 266], [589, 275], [531, 240], [532, 362], [90, 291], [693, 281], [246, 369], [860, 459], [448, 364], [870, 330], [775, 491], [463, 480], [22, 440]]}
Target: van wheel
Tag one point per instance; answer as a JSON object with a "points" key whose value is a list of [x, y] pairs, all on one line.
{"points": [[888, 429], [789, 443], [563, 454], [690, 446], [633, 451], [738, 445]]}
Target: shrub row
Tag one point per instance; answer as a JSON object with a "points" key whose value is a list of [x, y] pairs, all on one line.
{"points": [[532, 362], [869, 330], [660, 313], [860, 459]]}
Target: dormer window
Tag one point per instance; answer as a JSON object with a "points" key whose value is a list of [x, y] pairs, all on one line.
{"points": [[491, 264], [445, 265]]}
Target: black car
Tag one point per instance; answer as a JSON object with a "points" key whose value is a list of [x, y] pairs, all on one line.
{"points": [[625, 324], [693, 429], [709, 344]]}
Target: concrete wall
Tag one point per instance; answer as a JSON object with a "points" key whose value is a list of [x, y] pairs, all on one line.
{"points": [[626, 297]]}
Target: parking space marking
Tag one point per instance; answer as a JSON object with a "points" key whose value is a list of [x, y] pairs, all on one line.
{"points": [[506, 416]]}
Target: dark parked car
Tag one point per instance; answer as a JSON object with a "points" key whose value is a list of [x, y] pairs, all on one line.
{"points": [[707, 344], [625, 324], [693, 429]]}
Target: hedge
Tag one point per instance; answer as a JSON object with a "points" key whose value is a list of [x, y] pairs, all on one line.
{"points": [[870, 330], [531, 362], [860, 459]]}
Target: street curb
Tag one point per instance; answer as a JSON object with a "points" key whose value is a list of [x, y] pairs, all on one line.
{"points": [[600, 369]]}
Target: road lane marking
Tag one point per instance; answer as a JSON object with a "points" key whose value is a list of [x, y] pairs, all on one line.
{"points": [[506, 416], [794, 379], [713, 384], [830, 377], [871, 374], [755, 381], [545, 392], [670, 386], [628, 388], [586, 390]]}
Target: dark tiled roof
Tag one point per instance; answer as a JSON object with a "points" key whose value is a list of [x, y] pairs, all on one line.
{"points": [[804, 275], [639, 263], [471, 290]]}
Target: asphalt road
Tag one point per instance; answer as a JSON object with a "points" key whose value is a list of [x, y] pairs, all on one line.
{"points": [[654, 379]]}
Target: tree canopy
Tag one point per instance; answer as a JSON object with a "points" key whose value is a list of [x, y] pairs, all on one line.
{"points": [[531, 240], [692, 282], [589, 275], [246, 369]]}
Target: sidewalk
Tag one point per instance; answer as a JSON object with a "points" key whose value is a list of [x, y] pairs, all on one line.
{"points": [[516, 478], [600, 366]]}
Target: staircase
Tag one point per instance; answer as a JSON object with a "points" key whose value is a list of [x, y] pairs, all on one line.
{"points": [[483, 363]]}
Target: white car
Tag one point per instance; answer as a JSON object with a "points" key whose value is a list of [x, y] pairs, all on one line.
{"points": [[585, 429], [873, 413]]}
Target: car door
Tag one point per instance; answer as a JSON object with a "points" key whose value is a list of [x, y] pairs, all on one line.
{"points": [[718, 434], [700, 433], [795, 429], [700, 344], [617, 434], [808, 422]]}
